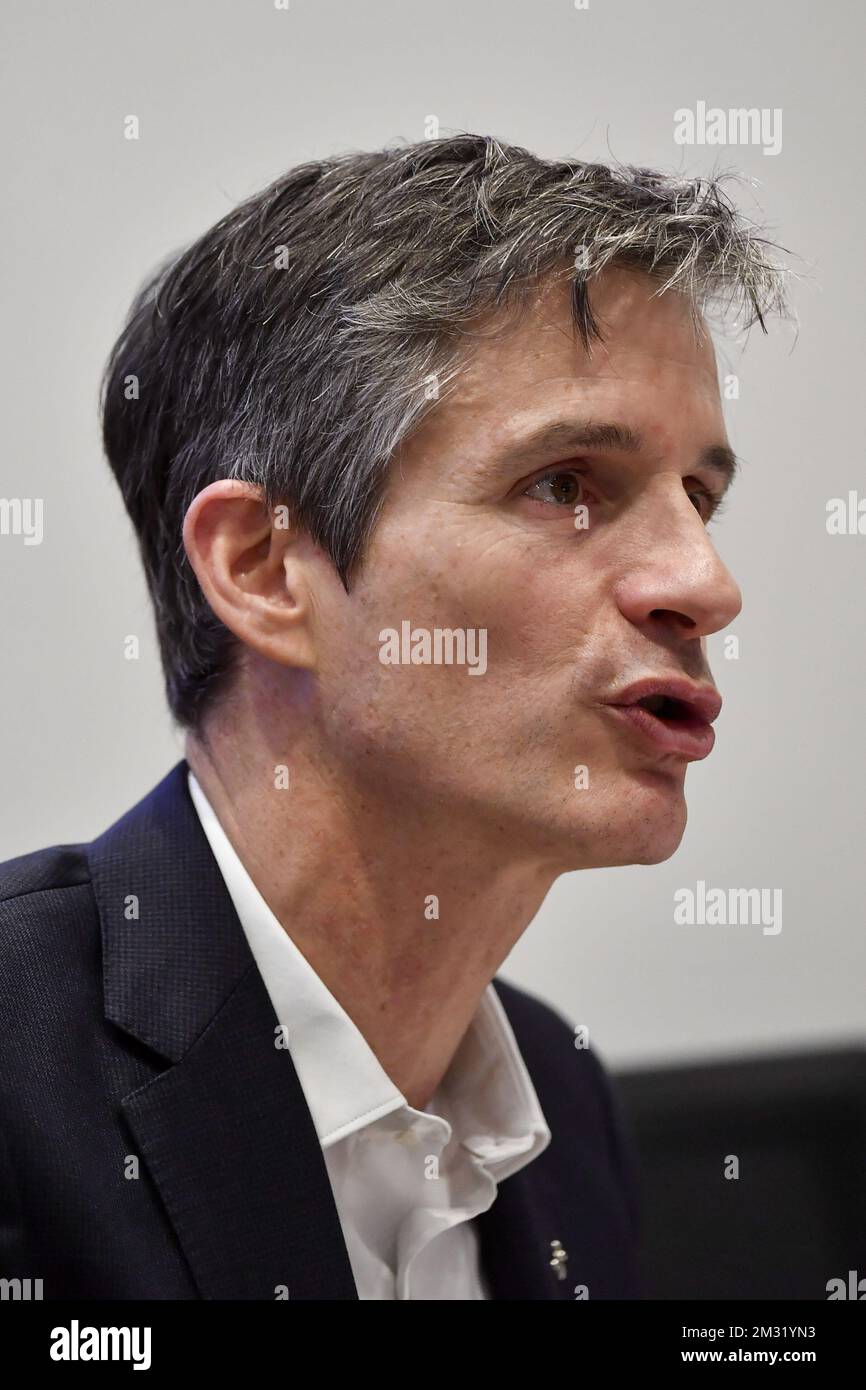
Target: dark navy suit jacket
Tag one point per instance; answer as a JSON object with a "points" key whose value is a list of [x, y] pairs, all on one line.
{"points": [[147, 1045]]}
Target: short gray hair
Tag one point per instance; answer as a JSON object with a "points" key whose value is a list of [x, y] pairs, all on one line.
{"points": [[294, 344]]}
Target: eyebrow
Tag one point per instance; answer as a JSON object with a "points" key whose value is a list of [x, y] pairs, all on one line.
{"points": [[571, 436]]}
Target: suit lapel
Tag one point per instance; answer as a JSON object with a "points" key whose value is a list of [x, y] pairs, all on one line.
{"points": [[515, 1236], [540, 1239], [225, 1130], [230, 1142]]}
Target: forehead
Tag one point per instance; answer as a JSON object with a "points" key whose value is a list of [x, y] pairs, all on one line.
{"points": [[654, 370], [635, 317]]}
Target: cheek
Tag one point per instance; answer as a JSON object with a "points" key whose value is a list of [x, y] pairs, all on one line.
{"points": [[540, 615], [537, 599]]}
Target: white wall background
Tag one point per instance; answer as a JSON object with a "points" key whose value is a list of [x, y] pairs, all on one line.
{"points": [[232, 92]]}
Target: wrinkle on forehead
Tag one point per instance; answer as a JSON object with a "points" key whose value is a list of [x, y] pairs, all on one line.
{"points": [[632, 315], [537, 360]]}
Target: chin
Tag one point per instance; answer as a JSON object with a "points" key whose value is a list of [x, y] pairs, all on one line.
{"points": [[657, 836], [642, 824], [656, 854]]}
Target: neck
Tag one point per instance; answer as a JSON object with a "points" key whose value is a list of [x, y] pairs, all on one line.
{"points": [[402, 912]]}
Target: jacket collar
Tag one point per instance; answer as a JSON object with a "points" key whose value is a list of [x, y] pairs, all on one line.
{"points": [[224, 1127], [224, 1131], [172, 946]]}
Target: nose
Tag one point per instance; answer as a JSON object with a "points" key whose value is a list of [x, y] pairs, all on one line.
{"points": [[678, 581]]}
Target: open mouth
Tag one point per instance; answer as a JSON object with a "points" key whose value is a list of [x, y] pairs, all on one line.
{"points": [[671, 725], [666, 708], [671, 714]]}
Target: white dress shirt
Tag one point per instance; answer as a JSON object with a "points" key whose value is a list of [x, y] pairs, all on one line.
{"points": [[407, 1183]]}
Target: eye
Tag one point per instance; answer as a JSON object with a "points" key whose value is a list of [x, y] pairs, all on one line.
{"points": [[710, 505], [561, 487]]}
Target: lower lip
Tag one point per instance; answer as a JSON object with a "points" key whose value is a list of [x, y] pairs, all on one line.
{"points": [[689, 738]]}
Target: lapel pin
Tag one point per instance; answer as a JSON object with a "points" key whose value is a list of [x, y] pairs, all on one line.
{"points": [[558, 1259]]}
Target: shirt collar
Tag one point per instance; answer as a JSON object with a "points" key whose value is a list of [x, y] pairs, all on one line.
{"points": [[490, 1095]]}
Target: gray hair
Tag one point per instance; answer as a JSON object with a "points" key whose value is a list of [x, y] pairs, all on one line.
{"points": [[294, 344]]}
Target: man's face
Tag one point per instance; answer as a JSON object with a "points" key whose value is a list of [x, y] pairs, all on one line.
{"points": [[478, 532]]}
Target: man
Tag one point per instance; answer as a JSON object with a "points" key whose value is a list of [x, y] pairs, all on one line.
{"points": [[420, 447]]}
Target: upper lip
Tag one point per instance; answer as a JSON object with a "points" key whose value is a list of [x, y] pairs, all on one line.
{"points": [[703, 701]]}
